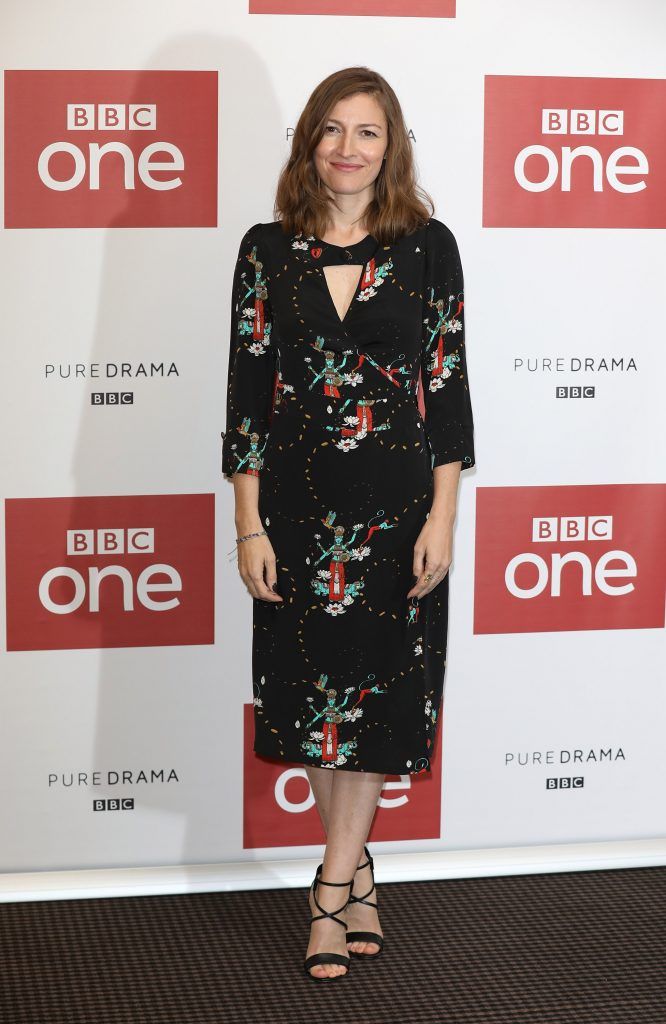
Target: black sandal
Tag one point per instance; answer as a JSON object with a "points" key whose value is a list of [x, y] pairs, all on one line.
{"points": [[365, 936], [327, 958]]}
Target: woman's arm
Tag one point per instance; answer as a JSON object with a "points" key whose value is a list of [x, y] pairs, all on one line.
{"points": [[250, 386], [448, 422]]}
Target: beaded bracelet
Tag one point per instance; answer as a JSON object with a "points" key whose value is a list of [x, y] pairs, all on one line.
{"points": [[239, 540]]}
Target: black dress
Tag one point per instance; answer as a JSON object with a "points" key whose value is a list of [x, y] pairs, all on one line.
{"points": [[347, 671]]}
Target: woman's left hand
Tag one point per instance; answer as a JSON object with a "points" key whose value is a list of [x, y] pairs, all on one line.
{"points": [[432, 554]]}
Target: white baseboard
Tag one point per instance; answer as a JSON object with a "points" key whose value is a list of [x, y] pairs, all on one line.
{"points": [[277, 873]]}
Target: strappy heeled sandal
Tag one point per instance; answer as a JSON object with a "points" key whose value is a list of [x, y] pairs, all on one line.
{"points": [[365, 936], [327, 958]]}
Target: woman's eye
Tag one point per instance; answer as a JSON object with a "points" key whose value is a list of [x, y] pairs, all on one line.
{"points": [[366, 131]]}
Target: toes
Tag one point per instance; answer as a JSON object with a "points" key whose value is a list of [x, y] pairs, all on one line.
{"points": [[327, 970], [359, 946], [324, 971]]}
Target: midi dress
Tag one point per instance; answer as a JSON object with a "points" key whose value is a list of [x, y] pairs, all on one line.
{"points": [[347, 671]]}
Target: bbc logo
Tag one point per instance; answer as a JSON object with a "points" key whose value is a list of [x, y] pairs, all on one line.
{"points": [[114, 803], [582, 122], [566, 782], [112, 398], [108, 117], [575, 391]]}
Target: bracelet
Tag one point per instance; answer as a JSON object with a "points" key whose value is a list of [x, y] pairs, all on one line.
{"points": [[239, 540]]}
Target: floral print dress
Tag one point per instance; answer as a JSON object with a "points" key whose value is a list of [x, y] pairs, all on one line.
{"points": [[348, 672]]}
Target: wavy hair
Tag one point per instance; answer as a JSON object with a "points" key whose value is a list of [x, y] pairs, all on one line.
{"points": [[399, 204]]}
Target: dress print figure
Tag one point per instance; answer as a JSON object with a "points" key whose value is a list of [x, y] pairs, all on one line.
{"points": [[413, 611], [356, 427], [252, 459], [373, 276], [346, 484], [340, 552], [331, 374], [440, 365], [326, 744], [255, 314]]}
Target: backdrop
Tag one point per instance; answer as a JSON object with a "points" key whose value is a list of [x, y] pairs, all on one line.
{"points": [[139, 145]]}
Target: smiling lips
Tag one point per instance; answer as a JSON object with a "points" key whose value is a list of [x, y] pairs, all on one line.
{"points": [[348, 167]]}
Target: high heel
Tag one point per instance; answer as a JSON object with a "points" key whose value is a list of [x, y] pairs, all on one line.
{"points": [[365, 936], [327, 958]]}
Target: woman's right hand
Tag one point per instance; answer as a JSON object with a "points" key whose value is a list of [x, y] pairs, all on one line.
{"points": [[258, 569], [256, 558]]}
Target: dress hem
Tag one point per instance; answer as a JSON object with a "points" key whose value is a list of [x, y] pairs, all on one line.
{"points": [[404, 770]]}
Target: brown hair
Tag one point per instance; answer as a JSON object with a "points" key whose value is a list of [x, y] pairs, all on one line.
{"points": [[302, 203]]}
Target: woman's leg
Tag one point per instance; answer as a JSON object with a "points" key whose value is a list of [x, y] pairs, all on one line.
{"points": [[321, 783], [359, 916], [348, 804]]}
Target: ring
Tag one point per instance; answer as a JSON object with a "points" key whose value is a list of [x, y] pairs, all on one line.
{"points": [[428, 576]]}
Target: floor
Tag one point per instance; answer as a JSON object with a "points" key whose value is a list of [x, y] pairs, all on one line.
{"points": [[573, 948]]}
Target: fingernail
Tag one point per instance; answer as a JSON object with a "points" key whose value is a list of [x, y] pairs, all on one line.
{"points": [[274, 587]]}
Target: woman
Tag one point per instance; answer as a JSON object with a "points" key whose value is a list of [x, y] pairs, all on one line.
{"points": [[344, 497]]}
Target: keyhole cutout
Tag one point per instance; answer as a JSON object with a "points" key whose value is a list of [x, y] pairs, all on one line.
{"points": [[342, 283]]}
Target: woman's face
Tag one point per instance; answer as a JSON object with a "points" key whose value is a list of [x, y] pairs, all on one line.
{"points": [[349, 156]]}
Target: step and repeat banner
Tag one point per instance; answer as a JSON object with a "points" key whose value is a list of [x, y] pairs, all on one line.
{"points": [[138, 149]]}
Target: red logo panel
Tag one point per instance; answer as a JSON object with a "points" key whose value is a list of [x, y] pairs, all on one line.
{"points": [[279, 808], [574, 152], [377, 8], [102, 572], [110, 149], [569, 558]]}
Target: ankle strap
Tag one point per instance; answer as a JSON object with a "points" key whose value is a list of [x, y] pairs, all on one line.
{"points": [[318, 880]]}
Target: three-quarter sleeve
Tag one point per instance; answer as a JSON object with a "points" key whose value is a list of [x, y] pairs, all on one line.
{"points": [[448, 410], [252, 364]]}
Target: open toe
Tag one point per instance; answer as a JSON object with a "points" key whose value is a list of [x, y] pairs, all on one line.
{"points": [[362, 939], [324, 959]]}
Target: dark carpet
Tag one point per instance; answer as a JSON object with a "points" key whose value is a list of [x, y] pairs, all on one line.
{"points": [[576, 948]]}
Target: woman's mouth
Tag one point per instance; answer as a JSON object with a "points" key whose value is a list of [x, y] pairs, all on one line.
{"points": [[346, 167]]}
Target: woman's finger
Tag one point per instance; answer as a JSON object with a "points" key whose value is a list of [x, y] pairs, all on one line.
{"points": [[263, 591], [431, 577], [258, 570], [418, 564]]}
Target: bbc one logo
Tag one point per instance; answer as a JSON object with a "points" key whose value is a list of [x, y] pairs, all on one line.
{"points": [[606, 172], [560, 152], [109, 571], [567, 535], [569, 558], [110, 149]]}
